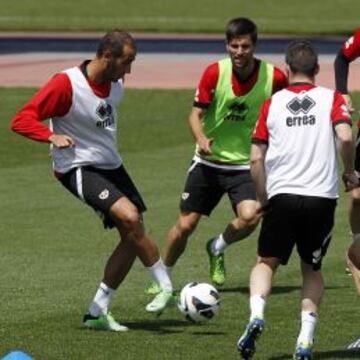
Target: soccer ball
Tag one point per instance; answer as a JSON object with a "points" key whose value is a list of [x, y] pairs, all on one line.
{"points": [[199, 301]]}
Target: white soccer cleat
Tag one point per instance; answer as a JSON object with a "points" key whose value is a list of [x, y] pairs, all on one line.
{"points": [[160, 301]]}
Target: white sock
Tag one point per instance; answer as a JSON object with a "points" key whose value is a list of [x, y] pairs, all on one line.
{"points": [[159, 273], [257, 307], [168, 270], [308, 324], [102, 299], [218, 245]]}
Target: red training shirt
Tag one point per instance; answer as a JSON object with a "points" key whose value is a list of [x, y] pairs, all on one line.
{"points": [[209, 79], [53, 99]]}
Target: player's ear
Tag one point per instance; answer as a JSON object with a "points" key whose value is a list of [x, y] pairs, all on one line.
{"points": [[317, 69], [107, 56], [227, 46]]}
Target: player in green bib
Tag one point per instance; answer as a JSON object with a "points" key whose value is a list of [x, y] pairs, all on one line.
{"points": [[222, 120], [230, 119]]}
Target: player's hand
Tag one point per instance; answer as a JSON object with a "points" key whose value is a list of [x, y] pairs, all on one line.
{"points": [[262, 207], [348, 102], [62, 141], [205, 146], [351, 181]]}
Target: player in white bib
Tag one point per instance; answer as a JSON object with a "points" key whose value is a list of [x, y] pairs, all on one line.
{"points": [[82, 105], [293, 165]]}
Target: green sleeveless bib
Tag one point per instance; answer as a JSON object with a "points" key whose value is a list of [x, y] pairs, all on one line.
{"points": [[230, 119]]}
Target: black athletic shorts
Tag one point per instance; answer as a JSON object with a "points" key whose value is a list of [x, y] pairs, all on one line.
{"points": [[100, 189], [306, 221], [205, 186], [357, 155]]}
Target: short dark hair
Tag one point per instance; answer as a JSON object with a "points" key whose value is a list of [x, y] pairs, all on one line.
{"points": [[241, 26], [114, 42], [302, 57]]}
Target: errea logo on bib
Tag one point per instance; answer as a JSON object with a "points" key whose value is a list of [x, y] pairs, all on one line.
{"points": [[297, 105], [300, 108], [105, 112], [237, 112]]}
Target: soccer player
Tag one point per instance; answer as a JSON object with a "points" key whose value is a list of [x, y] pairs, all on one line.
{"points": [[222, 119], [82, 105], [293, 164], [349, 52]]}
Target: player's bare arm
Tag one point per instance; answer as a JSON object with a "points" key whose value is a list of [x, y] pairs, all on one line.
{"points": [[346, 149], [61, 141], [197, 130], [257, 169]]}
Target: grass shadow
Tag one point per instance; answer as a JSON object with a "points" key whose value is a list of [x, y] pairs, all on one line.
{"points": [[159, 326], [156, 326], [208, 333], [172, 326]]}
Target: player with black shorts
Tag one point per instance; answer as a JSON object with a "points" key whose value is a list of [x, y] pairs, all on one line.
{"points": [[222, 119], [206, 185], [289, 222], [101, 188], [294, 167], [82, 105]]}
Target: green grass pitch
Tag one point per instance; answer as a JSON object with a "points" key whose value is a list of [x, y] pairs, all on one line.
{"points": [[53, 250]]}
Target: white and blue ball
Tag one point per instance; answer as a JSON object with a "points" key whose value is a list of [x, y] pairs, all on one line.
{"points": [[199, 301]]}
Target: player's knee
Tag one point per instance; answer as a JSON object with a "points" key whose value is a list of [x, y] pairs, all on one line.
{"points": [[185, 227], [249, 216], [131, 220], [271, 262]]}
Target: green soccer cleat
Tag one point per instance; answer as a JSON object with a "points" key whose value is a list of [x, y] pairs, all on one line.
{"points": [[303, 351], [103, 322], [217, 266], [153, 289], [163, 299]]}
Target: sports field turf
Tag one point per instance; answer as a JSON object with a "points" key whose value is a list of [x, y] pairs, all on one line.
{"points": [[53, 250], [280, 16]]}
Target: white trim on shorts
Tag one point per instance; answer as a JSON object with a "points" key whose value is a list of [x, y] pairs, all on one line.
{"points": [[198, 160], [193, 165], [318, 254], [79, 184]]}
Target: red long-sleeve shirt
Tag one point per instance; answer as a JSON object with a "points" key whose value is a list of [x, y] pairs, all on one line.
{"points": [[53, 99]]}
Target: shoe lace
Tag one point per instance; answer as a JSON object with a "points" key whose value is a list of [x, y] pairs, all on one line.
{"points": [[219, 263]]}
